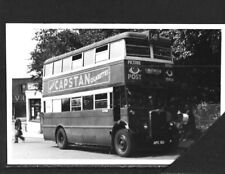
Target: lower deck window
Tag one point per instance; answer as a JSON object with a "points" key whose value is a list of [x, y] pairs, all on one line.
{"points": [[101, 101], [76, 104], [48, 106], [56, 105], [88, 102], [65, 104]]}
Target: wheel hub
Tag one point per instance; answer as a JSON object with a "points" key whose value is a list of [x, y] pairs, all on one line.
{"points": [[122, 143]]}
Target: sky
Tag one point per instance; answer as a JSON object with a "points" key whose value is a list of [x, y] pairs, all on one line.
{"points": [[19, 45]]}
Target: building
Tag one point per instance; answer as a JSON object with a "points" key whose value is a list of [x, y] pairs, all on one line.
{"points": [[26, 99]]}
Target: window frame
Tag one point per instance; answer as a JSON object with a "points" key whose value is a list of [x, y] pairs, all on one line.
{"points": [[106, 99], [73, 61], [62, 107], [56, 105], [71, 104], [92, 58], [46, 69], [111, 50], [63, 64], [48, 103], [102, 53], [93, 103], [54, 69]]}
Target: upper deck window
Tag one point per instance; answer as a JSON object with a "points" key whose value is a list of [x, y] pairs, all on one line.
{"points": [[57, 67], [117, 49], [102, 53], [67, 64], [137, 47], [48, 69], [77, 61], [89, 57]]}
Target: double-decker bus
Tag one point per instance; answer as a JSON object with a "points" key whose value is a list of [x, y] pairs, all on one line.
{"points": [[110, 93]]}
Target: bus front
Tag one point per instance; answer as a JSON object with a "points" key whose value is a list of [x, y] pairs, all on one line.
{"points": [[149, 79]]}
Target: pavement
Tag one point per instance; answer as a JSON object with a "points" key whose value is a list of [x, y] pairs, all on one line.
{"points": [[31, 130]]}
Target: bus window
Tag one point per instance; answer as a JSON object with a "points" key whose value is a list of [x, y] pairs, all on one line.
{"points": [[48, 69], [162, 52], [102, 53], [48, 106], [89, 57], [101, 101], [76, 104], [117, 49], [66, 64], [111, 102], [77, 61], [56, 105], [137, 47], [65, 104], [88, 102], [57, 67]]}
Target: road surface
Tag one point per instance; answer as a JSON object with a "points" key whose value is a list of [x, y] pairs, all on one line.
{"points": [[35, 150]]}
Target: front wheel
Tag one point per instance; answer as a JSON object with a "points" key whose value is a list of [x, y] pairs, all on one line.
{"points": [[123, 143], [61, 139]]}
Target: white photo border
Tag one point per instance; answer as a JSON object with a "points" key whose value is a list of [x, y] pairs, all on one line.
{"points": [[99, 162]]}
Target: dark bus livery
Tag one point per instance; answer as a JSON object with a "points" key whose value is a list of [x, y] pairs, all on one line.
{"points": [[112, 93]]}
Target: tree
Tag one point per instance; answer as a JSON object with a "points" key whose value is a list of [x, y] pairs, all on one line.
{"points": [[50, 43]]}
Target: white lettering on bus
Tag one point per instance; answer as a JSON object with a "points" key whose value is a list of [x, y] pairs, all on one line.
{"points": [[75, 80], [65, 83], [134, 76], [134, 62], [79, 80], [60, 84], [56, 82], [70, 82], [87, 78]]}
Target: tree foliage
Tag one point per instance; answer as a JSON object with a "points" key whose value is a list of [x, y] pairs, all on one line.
{"points": [[50, 43]]}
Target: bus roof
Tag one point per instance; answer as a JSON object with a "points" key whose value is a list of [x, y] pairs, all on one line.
{"points": [[99, 43]]}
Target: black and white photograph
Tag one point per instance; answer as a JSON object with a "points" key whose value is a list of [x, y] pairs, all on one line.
{"points": [[126, 95]]}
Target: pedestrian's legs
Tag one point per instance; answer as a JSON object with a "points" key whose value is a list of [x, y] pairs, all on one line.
{"points": [[16, 137], [21, 137]]}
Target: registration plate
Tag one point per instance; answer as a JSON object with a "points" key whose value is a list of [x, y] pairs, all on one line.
{"points": [[159, 142]]}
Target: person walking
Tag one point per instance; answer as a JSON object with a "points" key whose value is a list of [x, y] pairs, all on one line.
{"points": [[18, 131]]}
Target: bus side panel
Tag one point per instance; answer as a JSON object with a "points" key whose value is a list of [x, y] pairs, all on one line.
{"points": [[117, 73], [48, 127], [89, 127]]}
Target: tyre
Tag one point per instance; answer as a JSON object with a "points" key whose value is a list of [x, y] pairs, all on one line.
{"points": [[123, 143], [61, 139]]}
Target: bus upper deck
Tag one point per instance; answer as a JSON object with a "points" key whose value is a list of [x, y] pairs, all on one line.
{"points": [[128, 45], [124, 58]]}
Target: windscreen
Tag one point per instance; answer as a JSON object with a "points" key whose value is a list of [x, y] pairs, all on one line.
{"points": [[149, 98], [137, 47]]}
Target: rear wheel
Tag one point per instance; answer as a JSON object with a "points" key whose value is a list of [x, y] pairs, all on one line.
{"points": [[123, 143], [61, 138]]}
